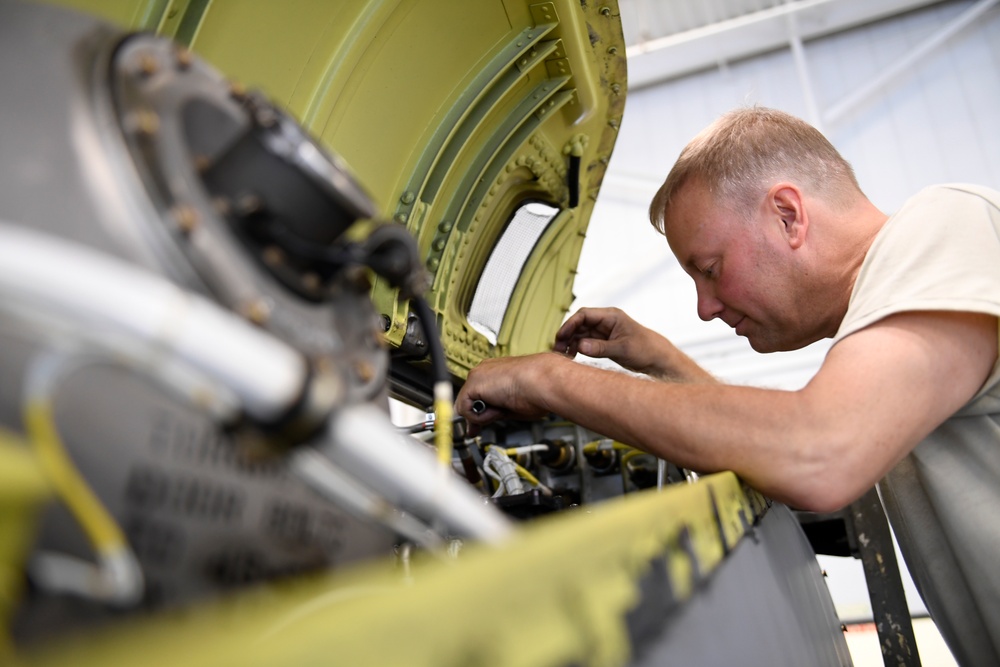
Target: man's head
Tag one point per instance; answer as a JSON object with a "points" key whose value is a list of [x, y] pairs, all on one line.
{"points": [[738, 208], [745, 151]]}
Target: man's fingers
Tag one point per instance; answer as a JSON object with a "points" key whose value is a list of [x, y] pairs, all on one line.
{"points": [[569, 336], [593, 347]]}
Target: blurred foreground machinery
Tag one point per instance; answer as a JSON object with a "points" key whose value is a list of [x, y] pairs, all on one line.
{"points": [[205, 312]]}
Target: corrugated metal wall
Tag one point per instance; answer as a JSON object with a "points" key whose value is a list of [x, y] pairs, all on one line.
{"points": [[937, 122]]}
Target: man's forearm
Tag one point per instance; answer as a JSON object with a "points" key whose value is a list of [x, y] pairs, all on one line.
{"points": [[672, 365], [758, 433]]}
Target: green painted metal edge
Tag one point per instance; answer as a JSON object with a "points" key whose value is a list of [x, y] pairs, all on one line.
{"points": [[556, 594], [23, 490]]}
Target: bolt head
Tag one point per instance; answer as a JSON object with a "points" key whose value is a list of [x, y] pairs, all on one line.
{"points": [[184, 59], [257, 311], [186, 218]]}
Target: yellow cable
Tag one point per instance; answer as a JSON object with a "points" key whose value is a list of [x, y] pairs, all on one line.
{"points": [[628, 456], [594, 446], [623, 465], [525, 474], [100, 528], [443, 415]]}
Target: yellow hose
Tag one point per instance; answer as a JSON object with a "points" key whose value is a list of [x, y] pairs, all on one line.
{"points": [[594, 446], [525, 474], [100, 528], [443, 415]]}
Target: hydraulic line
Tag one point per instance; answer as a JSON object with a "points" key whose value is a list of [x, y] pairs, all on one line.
{"points": [[444, 399], [117, 578], [508, 473], [332, 483], [185, 341], [526, 449], [626, 473], [525, 474], [500, 467], [362, 442], [606, 445]]}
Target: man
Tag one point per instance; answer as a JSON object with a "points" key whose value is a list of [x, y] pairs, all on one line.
{"points": [[783, 246]]}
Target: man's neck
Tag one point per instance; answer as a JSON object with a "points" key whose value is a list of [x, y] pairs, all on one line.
{"points": [[857, 231]]}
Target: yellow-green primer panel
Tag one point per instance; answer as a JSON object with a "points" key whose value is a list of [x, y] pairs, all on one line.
{"points": [[564, 585], [452, 113]]}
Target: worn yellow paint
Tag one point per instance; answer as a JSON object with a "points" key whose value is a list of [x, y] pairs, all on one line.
{"points": [[23, 489], [563, 584]]}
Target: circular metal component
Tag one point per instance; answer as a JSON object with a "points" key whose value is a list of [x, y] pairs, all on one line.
{"points": [[107, 143], [245, 189]]}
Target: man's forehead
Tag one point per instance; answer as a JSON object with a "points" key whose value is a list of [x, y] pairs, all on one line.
{"points": [[689, 205]]}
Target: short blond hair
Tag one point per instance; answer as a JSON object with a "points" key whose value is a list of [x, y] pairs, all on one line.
{"points": [[745, 151]]}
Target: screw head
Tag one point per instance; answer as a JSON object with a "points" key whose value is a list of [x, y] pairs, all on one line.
{"points": [[257, 311], [248, 204], [184, 58], [273, 256], [311, 281], [186, 218], [148, 65], [364, 370], [237, 90], [144, 122]]}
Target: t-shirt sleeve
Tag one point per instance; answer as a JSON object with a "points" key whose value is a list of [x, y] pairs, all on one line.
{"points": [[941, 251]]}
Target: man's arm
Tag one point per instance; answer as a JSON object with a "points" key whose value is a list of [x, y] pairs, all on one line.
{"points": [[879, 392]]}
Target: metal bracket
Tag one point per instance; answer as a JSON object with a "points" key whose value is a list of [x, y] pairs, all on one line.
{"points": [[867, 521]]}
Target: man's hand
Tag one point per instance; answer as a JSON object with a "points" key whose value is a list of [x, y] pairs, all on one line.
{"points": [[510, 387], [611, 334]]}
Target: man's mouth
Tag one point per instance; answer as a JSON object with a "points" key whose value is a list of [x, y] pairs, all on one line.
{"points": [[738, 325]]}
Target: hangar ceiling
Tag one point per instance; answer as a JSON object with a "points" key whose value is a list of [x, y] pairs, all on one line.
{"points": [[670, 38]]}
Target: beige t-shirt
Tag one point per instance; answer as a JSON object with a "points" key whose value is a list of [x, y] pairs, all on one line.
{"points": [[941, 251]]}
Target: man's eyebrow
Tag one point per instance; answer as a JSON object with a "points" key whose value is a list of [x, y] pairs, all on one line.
{"points": [[693, 260]]}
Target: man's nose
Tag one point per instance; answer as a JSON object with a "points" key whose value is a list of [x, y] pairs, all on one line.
{"points": [[709, 307]]}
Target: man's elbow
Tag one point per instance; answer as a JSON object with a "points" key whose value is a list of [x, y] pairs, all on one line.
{"points": [[826, 483], [821, 503], [823, 492]]}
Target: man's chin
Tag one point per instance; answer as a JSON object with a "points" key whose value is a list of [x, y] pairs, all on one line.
{"points": [[764, 344], [760, 346]]}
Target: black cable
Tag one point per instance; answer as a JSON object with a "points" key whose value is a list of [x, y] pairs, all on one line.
{"points": [[429, 325]]}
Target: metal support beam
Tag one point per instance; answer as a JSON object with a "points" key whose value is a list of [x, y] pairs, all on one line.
{"points": [[802, 69], [673, 56], [904, 64], [885, 586]]}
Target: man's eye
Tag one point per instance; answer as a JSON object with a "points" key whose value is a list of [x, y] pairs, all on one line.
{"points": [[708, 271]]}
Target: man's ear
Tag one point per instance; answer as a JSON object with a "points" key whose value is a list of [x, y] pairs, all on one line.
{"points": [[784, 200]]}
